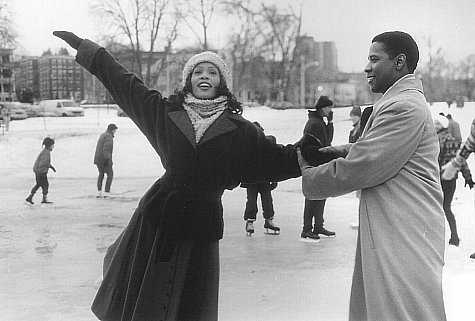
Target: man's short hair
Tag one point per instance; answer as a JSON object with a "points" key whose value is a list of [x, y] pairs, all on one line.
{"points": [[397, 42]]}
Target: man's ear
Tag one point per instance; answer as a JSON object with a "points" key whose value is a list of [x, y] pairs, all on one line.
{"points": [[400, 61]]}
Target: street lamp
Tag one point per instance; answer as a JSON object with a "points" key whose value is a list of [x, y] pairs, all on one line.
{"points": [[303, 67]]}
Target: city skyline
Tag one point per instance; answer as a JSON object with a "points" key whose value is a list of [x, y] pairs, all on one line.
{"points": [[351, 24]]}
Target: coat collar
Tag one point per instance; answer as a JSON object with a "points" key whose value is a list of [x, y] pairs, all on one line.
{"points": [[407, 82], [220, 126]]}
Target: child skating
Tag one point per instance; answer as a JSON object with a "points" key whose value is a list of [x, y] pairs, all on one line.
{"points": [[41, 167]]}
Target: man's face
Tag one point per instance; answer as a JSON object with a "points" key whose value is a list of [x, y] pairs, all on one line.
{"points": [[327, 110], [205, 81], [380, 71]]}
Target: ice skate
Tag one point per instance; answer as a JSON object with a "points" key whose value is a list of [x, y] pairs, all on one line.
{"points": [[308, 236], [269, 225], [99, 194], [323, 231], [249, 228], [45, 201], [29, 200]]}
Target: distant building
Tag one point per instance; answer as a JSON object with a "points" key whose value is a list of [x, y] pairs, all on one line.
{"points": [[314, 62], [60, 77], [7, 85], [27, 77]]}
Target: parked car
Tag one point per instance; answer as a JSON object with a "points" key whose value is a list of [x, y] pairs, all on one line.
{"points": [[59, 108], [17, 113], [14, 110]]}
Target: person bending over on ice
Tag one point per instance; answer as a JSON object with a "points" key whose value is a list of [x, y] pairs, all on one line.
{"points": [[40, 168], [450, 170], [165, 264]]}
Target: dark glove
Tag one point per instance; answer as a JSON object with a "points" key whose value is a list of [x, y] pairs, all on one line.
{"points": [[469, 182], [52, 167], [309, 147], [330, 117], [72, 40]]}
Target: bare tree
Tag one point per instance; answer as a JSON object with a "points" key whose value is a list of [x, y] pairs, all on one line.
{"points": [[142, 23], [7, 32], [434, 72], [201, 13], [270, 33]]}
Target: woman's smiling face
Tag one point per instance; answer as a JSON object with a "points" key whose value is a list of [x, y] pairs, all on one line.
{"points": [[205, 80]]}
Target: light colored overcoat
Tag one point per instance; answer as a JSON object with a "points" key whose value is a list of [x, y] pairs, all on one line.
{"points": [[400, 247]]}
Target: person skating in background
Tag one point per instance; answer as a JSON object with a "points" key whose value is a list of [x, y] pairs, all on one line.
{"points": [[316, 126], [450, 170], [448, 149], [355, 115], [400, 247], [40, 168], [103, 159], [165, 264], [252, 192]]}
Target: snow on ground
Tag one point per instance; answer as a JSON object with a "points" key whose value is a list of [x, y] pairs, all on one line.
{"points": [[51, 257]]}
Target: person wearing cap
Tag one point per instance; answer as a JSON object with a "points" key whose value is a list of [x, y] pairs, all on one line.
{"points": [[40, 168], [103, 159], [400, 246], [165, 264], [449, 146], [313, 209]]}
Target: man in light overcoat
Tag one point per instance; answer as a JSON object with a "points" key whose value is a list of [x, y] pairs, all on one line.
{"points": [[400, 247]]}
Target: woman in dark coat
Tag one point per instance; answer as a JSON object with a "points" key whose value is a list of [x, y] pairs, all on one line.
{"points": [[165, 264]]}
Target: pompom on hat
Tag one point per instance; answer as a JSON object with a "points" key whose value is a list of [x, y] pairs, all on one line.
{"points": [[206, 56]]}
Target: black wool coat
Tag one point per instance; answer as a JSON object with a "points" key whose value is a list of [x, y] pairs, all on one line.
{"points": [[186, 200]]}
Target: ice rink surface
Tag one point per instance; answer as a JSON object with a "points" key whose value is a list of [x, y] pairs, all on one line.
{"points": [[51, 256]]}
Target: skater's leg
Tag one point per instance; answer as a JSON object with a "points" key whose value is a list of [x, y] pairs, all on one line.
{"points": [[308, 214], [100, 177], [110, 175], [448, 188], [267, 203], [251, 204]]}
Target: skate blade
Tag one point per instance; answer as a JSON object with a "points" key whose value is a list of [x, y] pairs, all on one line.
{"points": [[28, 204], [309, 240], [272, 233], [327, 236]]}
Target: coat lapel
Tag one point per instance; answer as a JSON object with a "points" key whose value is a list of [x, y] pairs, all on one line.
{"points": [[183, 122], [220, 126]]}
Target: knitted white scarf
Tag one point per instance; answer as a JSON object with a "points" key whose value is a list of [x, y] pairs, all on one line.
{"points": [[203, 112]]}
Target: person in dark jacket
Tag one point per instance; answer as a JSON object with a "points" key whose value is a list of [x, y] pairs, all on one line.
{"points": [[103, 159], [355, 115], [316, 126], [449, 146], [165, 263], [265, 190], [40, 168]]}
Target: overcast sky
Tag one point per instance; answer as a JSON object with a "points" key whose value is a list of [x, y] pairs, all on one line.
{"points": [[351, 24]]}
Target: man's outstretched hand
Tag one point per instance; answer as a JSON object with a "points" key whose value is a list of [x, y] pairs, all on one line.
{"points": [[72, 40]]}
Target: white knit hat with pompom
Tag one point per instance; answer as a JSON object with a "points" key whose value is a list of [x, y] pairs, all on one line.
{"points": [[206, 56]]}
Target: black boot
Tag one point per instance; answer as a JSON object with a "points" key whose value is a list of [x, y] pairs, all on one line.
{"points": [[269, 225], [323, 231], [45, 200], [249, 228], [29, 200]]}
